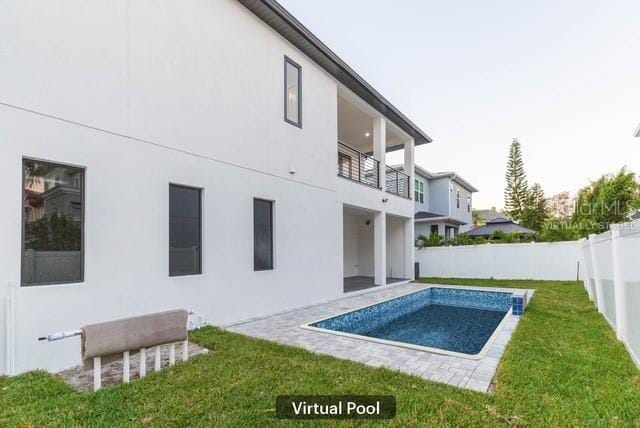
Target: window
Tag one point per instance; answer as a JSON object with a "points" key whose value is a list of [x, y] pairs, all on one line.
{"points": [[419, 191], [262, 234], [458, 198], [52, 223], [468, 203], [292, 93], [434, 229], [185, 230]]}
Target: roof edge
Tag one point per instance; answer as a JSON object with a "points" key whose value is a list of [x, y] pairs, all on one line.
{"points": [[284, 23]]}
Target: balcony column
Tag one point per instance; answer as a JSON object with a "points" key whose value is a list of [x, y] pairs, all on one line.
{"points": [[380, 248], [409, 226], [380, 147], [409, 162]]}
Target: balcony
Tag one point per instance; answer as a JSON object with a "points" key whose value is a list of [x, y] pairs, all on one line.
{"points": [[397, 182], [357, 166], [364, 169]]}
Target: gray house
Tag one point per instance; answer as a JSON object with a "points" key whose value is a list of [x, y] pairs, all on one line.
{"points": [[502, 224], [443, 203]]}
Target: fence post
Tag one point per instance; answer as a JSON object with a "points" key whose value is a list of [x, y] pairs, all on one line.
{"points": [[618, 283], [596, 274]]}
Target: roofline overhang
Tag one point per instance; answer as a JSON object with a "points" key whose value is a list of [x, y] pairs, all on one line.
{"points": [[443, 218], [278, 18]]}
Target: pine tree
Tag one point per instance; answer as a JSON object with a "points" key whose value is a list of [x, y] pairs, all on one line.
{"points": [[515, 192], [535, 211]]}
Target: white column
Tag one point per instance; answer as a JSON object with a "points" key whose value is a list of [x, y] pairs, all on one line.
{"points": [[380, 146], [409, 163], [380, 248], [409, 226], [409, 249], [618, 284], [596, 274]]}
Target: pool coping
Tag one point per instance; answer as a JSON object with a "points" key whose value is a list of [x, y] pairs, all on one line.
{"points": [[480, 355]]}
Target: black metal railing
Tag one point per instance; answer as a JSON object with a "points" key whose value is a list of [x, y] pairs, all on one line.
{"points": [[397, 182], [357, 166]]}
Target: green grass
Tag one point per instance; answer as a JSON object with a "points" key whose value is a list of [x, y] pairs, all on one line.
{"points": [[563, 367]]}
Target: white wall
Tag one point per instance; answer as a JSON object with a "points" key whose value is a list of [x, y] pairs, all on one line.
{"points": [[395, 247], [546, 261], [350, 245], [366, 256], [147, 93]]}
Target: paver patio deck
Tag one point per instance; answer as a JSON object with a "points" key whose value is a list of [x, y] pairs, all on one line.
{"points": [[285, 328]]}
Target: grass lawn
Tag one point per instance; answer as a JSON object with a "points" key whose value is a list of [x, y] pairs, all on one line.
{"points": [[563, 367]]}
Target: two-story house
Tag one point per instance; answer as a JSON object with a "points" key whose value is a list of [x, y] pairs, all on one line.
{"points": [[443, 203], [212, 155]]}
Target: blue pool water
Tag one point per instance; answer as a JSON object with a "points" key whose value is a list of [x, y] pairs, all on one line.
{"points": [[455, 320]]}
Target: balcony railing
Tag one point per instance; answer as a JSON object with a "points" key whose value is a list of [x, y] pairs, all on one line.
{"points": [[357, 166], [397, 182]]}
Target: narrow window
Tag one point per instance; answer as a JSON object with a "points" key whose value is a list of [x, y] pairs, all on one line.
{"points": [[468, 203], [434, 229], [52, 223], [292, 93], [185, 230], [262, 234], [419, 191], [458, 198]]}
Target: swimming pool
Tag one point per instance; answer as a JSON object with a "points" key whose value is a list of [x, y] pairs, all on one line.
{"points": [[454, 321]]}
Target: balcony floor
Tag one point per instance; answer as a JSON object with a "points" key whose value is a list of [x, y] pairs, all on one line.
{"points": [[357, 283]]}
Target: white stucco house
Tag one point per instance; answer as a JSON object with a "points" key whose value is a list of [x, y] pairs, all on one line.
{"points": [[443, 203], [212, 155]]}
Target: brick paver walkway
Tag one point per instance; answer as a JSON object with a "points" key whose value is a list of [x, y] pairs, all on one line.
{"points": [[285, 328]]}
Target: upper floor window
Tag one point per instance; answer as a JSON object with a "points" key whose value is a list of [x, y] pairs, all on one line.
{"points": [[52, 223], [419, 191], [458, 198], [292, 92], [185, 230], [469, 203]]}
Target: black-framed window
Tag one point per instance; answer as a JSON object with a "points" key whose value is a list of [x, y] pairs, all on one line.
{"points": [[52, 223], [434, 229], [262, 234], [292, 92], [458, 198], [185, 230]]}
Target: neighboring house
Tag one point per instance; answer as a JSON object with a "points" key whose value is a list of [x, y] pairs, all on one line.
{"points": [[501, 224], [443, 203], [212, 156], [486, 215]]}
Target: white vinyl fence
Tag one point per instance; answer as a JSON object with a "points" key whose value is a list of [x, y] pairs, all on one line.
{"points": [[612, 278], [536, 260]]}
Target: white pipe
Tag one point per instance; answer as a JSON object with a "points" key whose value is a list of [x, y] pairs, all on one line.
{"points": [[10, 363], [126, 367], [143, 362], [172, 354], [158, 362], [97, 373], [185, 350], [7, 337]]}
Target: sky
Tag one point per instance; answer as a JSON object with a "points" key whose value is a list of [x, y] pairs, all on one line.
{"points": [[561, 76]]}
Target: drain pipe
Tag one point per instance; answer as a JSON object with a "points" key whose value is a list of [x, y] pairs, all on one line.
{"points": [[10, 330]]}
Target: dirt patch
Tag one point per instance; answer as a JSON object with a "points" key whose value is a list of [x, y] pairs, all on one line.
{"points": [[82, 380]]}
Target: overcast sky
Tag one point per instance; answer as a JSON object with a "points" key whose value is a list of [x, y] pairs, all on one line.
{"points": [[562, 76]]}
